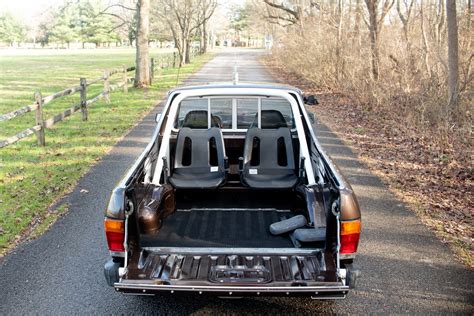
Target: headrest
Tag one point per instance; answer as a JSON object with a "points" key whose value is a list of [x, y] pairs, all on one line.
{"points": [[272, 119], [195, 119], [198, 119]]}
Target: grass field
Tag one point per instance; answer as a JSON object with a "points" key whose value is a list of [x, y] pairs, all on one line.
{"points": [[32, 177]]}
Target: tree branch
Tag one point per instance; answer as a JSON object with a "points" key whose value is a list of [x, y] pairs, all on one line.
{"points": [[114, 15], [116, 27], [119, 5], [283, 7]]}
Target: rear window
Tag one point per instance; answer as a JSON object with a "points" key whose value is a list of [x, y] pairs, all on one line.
{"points": [[188, 105], [282, 106], [221, 112], [233, 113], [247, 110]]}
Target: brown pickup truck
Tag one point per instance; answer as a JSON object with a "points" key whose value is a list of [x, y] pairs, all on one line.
{"points": [[233, 196]]}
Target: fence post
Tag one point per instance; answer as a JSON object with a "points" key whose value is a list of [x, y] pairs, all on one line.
{"points": [[152, 70], [125, 79], [174, 59], [106, 86], [83, 83], [39, 118]]}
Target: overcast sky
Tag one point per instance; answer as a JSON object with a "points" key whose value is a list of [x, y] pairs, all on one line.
{"points": [[26, 10]]}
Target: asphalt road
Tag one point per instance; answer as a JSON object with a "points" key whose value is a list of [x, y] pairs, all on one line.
{"points": [[405, 269]]}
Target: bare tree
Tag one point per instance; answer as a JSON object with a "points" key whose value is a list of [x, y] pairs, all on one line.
{"points": [[124, 12], [424, 38], [287, 13], [375, 24], [405, 17], [184, 18], [135, 17], [357, 19], [439, 21], [453, 60], [340, 18], [180, 14], [142, 72], [207, 8]]}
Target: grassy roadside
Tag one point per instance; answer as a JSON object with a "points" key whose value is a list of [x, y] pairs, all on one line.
{"points": [[32, 178], [438, 188]]}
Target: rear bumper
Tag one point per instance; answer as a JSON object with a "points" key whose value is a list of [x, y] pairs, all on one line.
{"points": [[317, 292]]}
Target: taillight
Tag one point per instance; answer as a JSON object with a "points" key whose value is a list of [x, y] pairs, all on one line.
{"points": [[350, 234], [115, 233]]}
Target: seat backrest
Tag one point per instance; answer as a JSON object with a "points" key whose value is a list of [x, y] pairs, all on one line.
{"points": [[268, 149], [199, 149]]}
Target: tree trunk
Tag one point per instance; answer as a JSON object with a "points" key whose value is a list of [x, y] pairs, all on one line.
{"points": [[182, 52], [142, 73], [201, 39], [372, 9], [468, 14], [357, 19], [339, 60], [205, 38], [424, 39], [187, 55], [453, 67], [440, 22]]}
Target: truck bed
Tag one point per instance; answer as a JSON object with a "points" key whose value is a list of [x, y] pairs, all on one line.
{"points": [[237, 228]]}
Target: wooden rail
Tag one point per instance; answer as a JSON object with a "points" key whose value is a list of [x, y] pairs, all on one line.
{"points": [[21, 111], [41, 124]]}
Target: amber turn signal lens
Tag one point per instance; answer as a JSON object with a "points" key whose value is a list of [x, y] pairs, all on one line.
{"points": [[352, 227], [114, 226]]}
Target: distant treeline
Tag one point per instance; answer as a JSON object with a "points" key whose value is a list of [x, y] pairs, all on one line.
{"points": [[80, 21]]}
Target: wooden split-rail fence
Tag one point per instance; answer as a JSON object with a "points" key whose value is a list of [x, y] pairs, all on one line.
{"points": [[42, 124]]}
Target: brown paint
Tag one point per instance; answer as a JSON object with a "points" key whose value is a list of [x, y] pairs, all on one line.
{"points": [[349, 206], [158, 203]]}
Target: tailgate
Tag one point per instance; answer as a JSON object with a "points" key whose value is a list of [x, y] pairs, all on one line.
{"points": [[234, 272]]}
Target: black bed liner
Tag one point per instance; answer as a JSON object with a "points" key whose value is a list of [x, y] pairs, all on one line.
{"points": [[229, 252], [247, 228]]}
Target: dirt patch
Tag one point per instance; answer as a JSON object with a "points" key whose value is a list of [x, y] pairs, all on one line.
{"points": [[436, 182]]}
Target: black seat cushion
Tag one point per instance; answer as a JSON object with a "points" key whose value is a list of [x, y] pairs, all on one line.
{"points": [[283, 180], [183, 179], [199, 159], [268, 159]]}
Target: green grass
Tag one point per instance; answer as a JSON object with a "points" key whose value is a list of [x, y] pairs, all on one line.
{"points": [[33, 177]]}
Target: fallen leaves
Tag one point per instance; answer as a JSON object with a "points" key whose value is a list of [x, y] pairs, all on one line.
{"points": [[436, 179]]}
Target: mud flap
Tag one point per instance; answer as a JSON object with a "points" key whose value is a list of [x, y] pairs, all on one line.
{"points": [[111, 272]]}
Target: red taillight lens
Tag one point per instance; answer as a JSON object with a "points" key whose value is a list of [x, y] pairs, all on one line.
{"points": [[350, 234], [115, 233]]}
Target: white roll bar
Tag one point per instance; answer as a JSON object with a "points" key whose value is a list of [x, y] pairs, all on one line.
{"points": [[231, 92]]}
